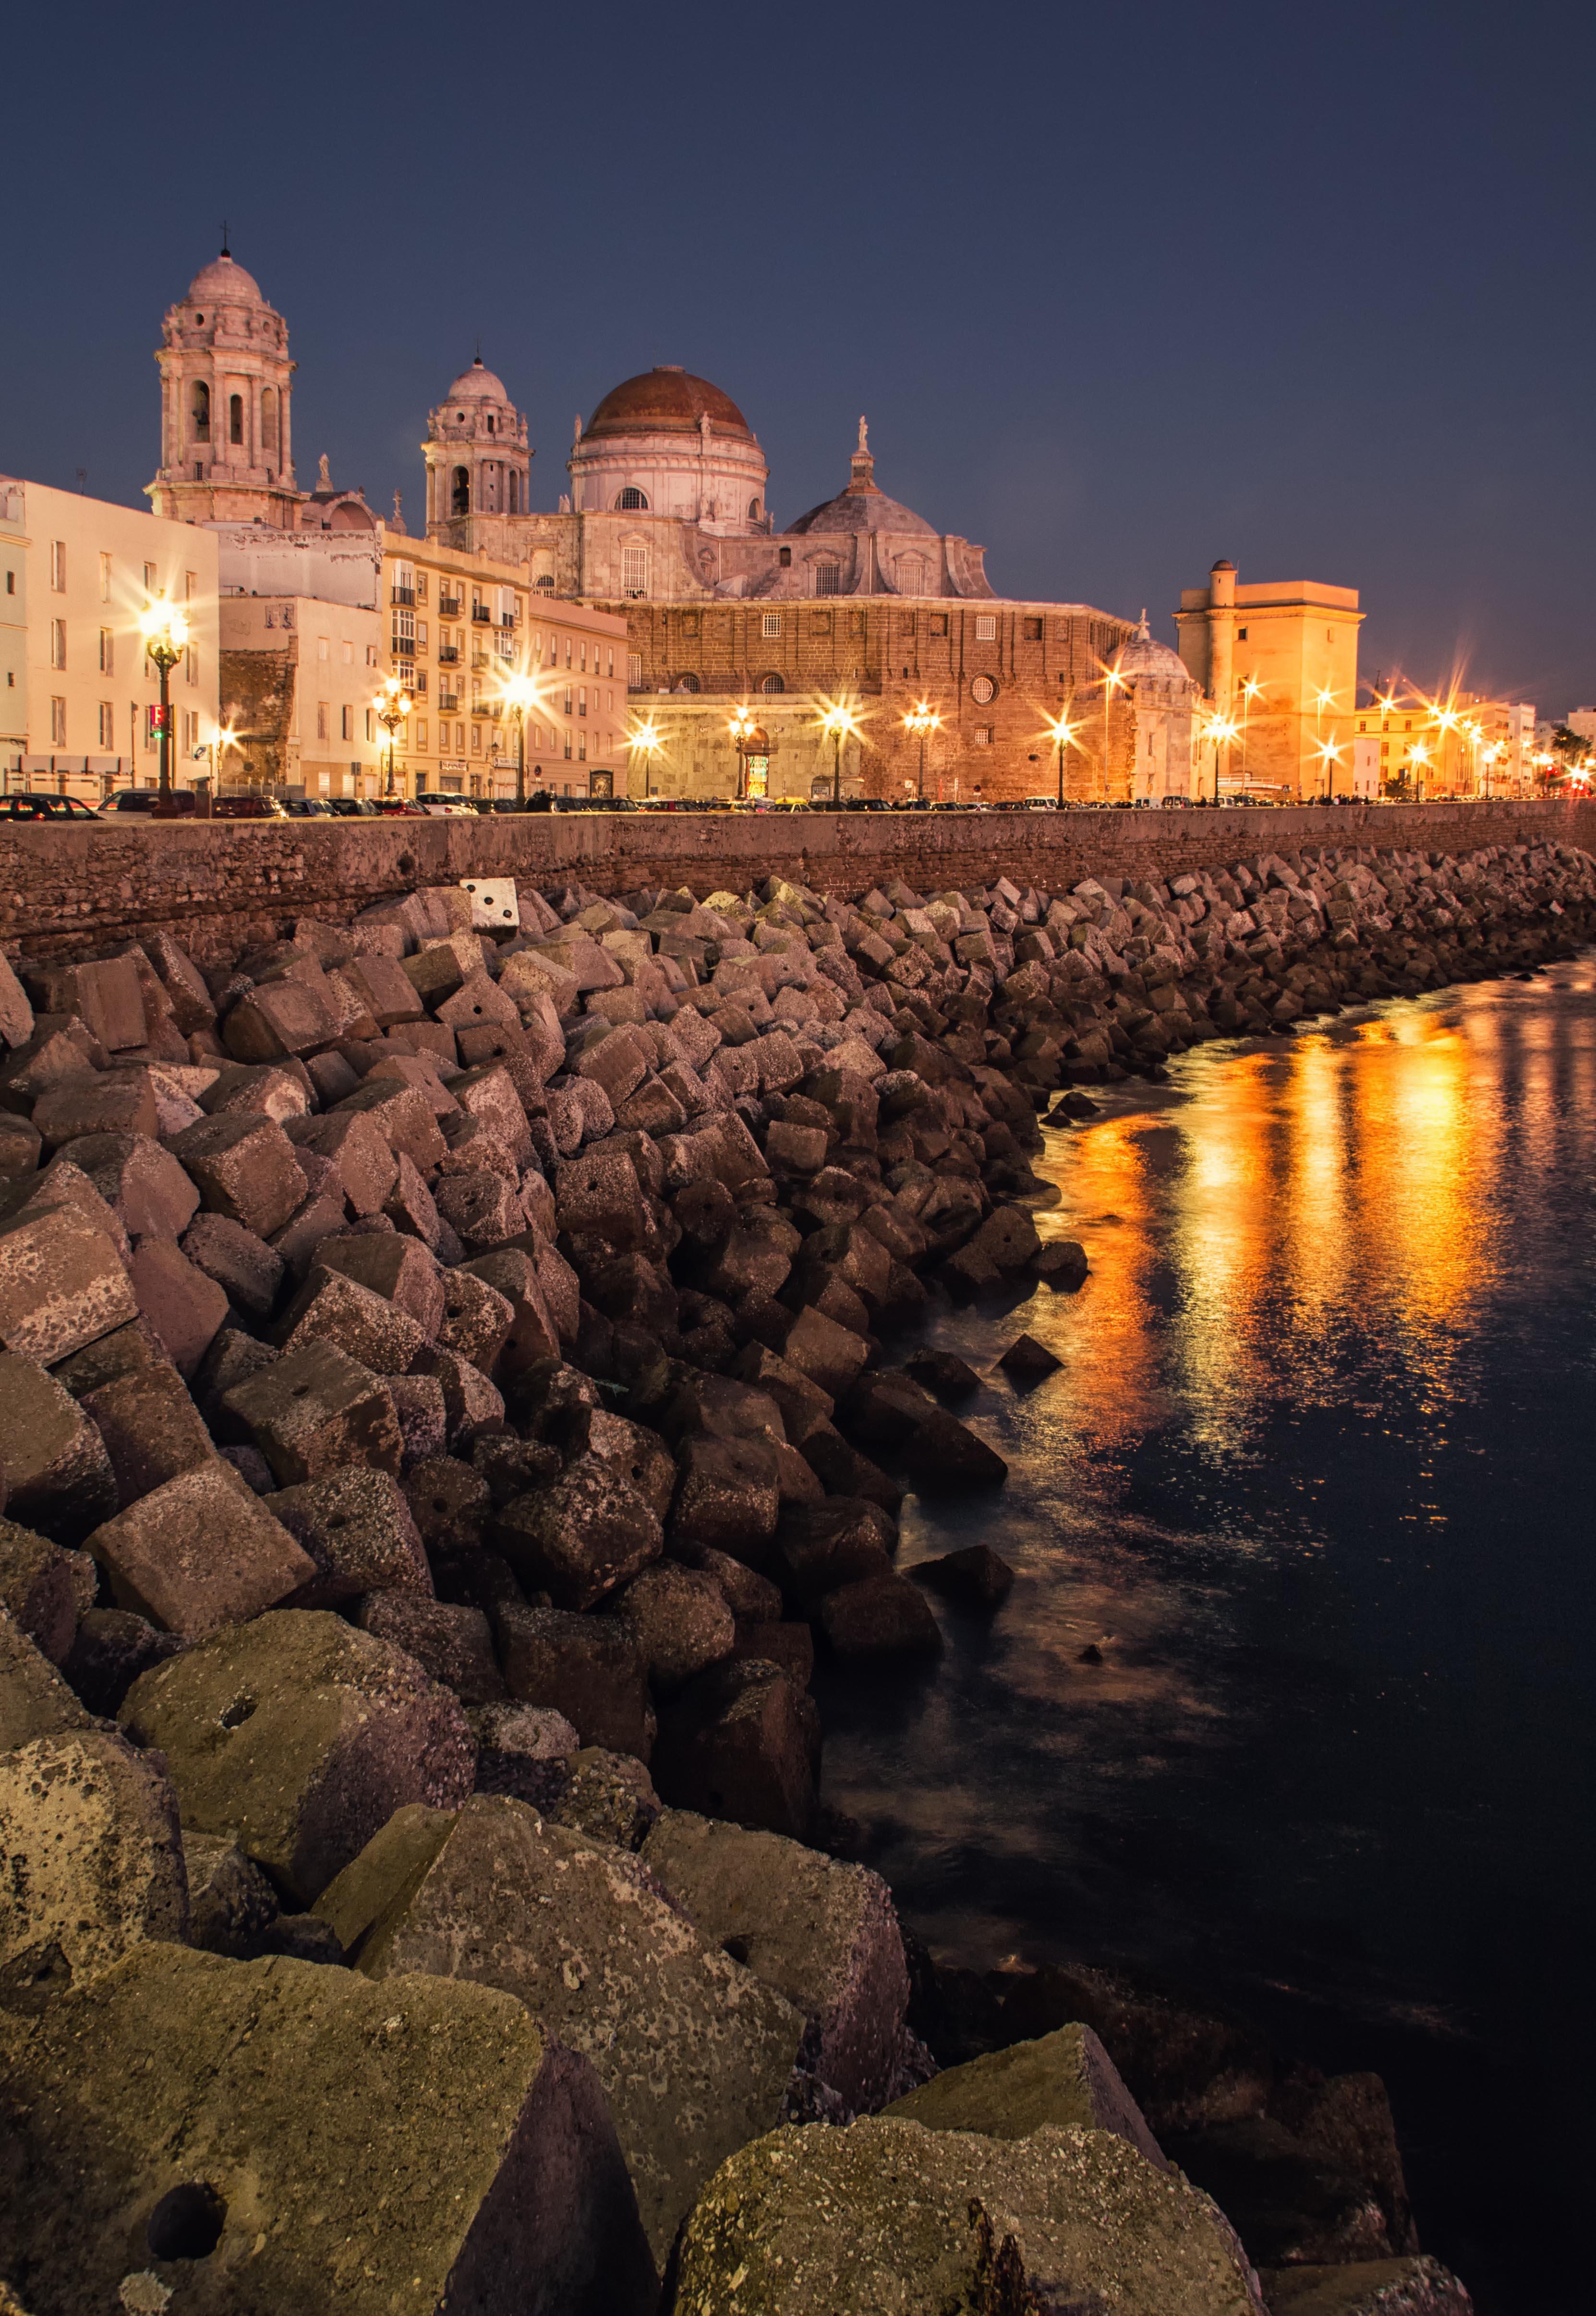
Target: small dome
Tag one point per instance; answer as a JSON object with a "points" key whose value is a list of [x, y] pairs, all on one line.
{"points": [[478, 384], [863, 510], [666, 400], [1143, 655], [225, 281]]}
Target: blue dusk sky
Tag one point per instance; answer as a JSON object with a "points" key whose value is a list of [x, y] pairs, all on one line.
{"points": [[1120, 291]]}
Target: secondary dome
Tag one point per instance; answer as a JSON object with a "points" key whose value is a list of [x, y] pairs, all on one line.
{"points": [[224, 280], [862, 506], [667, 400], [1143, 655], [478, 384]]}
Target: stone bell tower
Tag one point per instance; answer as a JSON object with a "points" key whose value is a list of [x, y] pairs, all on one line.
{"points": [[225, 389]]}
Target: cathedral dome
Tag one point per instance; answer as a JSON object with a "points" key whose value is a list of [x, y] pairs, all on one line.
{"points": [[667, 400], [224, 280], [1143, 655], [862, 506], [478, 384]]}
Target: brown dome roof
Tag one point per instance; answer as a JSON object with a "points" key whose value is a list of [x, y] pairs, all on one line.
{"points": [[667, 400]]}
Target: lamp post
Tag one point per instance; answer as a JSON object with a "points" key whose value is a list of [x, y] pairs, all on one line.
{"points": [[740, 725], [518, 692], [166, 632], [1061, 731], [923, 721], [393, 704], [840, 723], [1221, 731], [645, 741], [1418, 758], [216, 749], [1329, 756]]}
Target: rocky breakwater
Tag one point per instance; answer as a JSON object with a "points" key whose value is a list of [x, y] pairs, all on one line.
{"points": [[445, 1401]]}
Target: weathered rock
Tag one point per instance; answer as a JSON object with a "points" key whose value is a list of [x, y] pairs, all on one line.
{"points": [[355, 1528], [822, 1933], [183, 1306], [143, 1184], [243, 1167], [249, 1272], [880, 1616], [34, 1700], [57, 1477], [300, 1737], [62, 1284], [452, 1645], [1062, 1262], [231, 1903], [819, 1547], [976, 1575], [113, 1647], [1028, 1361], [484, 2180], [1366, 2288], [740, 1742], [367, 1328], [199, 1553], [581, 1537], [396, 1267], [88, 1830], [588, 1668], [525, 1751], [610, 1796], [681, 1621], [944, 1454], [111, 1101], [151, 1428], [694, 2054], [38, 1589], [885, 2215], [727, 1501], [314, 1410], [20, 1146], [1065, 2078]]}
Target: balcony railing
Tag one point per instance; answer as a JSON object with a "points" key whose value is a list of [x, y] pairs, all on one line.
{"points": [[482, 615], [449, 606], [508, 618], [449, 654], [448, 701], [402, 595]]}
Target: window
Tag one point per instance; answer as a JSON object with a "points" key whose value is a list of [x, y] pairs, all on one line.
{"points": [[770, 625], [632, 500], [1033, 631], [149, 578], [348, 652], [685, 684], [420, 586], [104, 579], [939, 623], [569, 696], [983, 691], [476, 739], [346, 723], [784, 557], [190, 665], [611, 660], [190, 584], [370, 723], [567, 754], [986, 626], [321, 720], [235, 418], [107, 724], [582, 700], [58, 643], [772, 684], [321, 648], [582, 748], [421, 732], [269, 422], [634, 670], [982, 736], [201, 411], [57, 566], [911, 575], [754, 510], [11, 582], [828, 580], [107, 652], [634, 571], [370, 654], [1240, 635], [58, 723], [459, 492]]}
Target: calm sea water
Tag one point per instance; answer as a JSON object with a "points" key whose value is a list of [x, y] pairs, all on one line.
{"points": [[1317, 1475]]}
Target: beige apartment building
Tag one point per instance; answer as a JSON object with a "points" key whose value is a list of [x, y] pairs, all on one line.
{"points": [[459, 627], [75, 688], [302, 678], [1462, 747], [1277, 659]]}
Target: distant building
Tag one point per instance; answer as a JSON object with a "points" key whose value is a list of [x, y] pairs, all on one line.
{"points": [[1279, 661], [1473, 747], [226, 449], [75, 688], [1583, 720]]}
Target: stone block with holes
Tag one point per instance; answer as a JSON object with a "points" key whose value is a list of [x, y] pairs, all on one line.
{"points": [[199, 1552], [242, 1166], [357, 1528], [313, 1412]]}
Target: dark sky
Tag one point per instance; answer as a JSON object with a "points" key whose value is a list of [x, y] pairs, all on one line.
{"points": [[1120, 290]]}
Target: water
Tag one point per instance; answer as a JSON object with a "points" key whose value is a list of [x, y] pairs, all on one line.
{"points": [[1317, 1476]]}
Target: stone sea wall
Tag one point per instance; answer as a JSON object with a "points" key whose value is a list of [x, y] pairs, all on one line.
{"points": [[451, 1384]]}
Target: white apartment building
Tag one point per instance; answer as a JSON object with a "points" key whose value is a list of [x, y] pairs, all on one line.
{"points": [[76, 688]]}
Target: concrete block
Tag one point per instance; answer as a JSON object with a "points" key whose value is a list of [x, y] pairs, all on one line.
{"points": [[279, 1090], [249, 1272], [386, 991], [532, 1336], [477, 1319], [62, 1284], [488, 1093], [314, 1410], [300, 1737], [588, 1668], [422, 1406], [151, 1428], [113, 1646], [88, 1829], [333, 1308], [279, 1017], [57, 1475], [357, 1529], [124, 1351], [472, 1405], [822, 1933], [402, 1116], [143, 1184], [16, 1014], [452, 1644], [105, 995], [199, 1552], [366, 1167], [740, 1742], [1065, 2078], [231, 1903], [216, 2169], [300, 1237], [179, 977], [243, 1167], [34, 1700], [181, 1305], [40, 1589], [694, 2054], [681, 1622], [111, 1101], [496, 905], [20, 1146], [478, 1000], [580, 1537]]}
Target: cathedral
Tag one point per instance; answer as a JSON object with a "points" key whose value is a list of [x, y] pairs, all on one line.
{"points": [[950, 690]]}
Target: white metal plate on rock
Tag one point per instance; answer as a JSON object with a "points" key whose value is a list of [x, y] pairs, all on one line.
{"points": [[494, 906]]}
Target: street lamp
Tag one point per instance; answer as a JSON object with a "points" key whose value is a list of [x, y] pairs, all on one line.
{"points": [[393, 704], [166, 632], [1329, 756], [1112, 682], [1221, 731], [645, 741], [1061, 730], [216, 748], [923, 720], [1418, 757], [842, 724], [740, 725], [518, 693]]}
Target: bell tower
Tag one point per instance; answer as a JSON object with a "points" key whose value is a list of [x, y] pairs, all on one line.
{"points": [[226, 392], [478, 466]]}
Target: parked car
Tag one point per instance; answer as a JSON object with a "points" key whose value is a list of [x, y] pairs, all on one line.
{"points": [[248, 803], [308, 808], [439, 803], [351, 808], [178, 803], [396, 807], [34, 806]]}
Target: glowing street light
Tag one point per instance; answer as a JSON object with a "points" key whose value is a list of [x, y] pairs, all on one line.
{"points": [[1329, 756], [923, 720], [644, 740], [392, 705], [518, 693], [166, 632], [741, 723], [1062, 732], [1221, 730], [842, 724]]}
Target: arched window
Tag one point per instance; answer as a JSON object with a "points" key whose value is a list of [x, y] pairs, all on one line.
{"points": [[772, 684], [236, 419], [632, 500], [201, 411], [460, 492], [687, 683], [490, 422], [268, 420], [753, 510]]}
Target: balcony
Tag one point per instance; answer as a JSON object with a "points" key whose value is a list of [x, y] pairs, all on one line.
{"points": [[449, 654], [449, 606], [448, 702], [482, 615], [508, 618], [401, 595]]}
